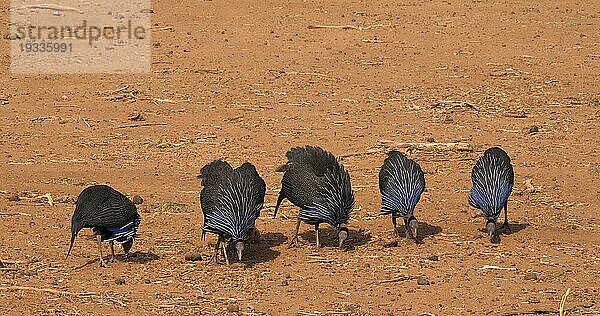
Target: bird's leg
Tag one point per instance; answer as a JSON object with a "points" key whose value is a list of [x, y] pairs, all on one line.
{"points": [[294, 241], [215, 258], [396, 233], [279, 200], [102, 263], [112, 251], [225, 253], [506, 226], [317, 232]]}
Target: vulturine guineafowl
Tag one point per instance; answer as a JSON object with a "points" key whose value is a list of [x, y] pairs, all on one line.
{"points": [[111, 215], [401, 183], [493, 178], [231, 201], [319, 185]]}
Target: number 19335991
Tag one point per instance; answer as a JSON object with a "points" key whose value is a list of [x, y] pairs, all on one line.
{"points": [[46, 47]]}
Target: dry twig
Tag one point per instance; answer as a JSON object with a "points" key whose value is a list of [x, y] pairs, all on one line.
{"points": [[561, 310], [460, 146], [141, 125], [53, 291]]}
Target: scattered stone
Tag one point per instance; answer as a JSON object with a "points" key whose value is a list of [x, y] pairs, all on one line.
{"points": [[433, 258], [14, 198], [233, 308], [147, 11], [531, 276], [13, 37], [534, 300], [534, 129], [284, 282], [288, 276], [391, 244], [136, 199], [422, 281], [529, 188], [430, 139], [588, 304], [119, 281], [193, 257], [136, 117], [65, 199]]}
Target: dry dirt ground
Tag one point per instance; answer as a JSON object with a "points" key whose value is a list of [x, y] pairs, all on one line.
{"points": [[245, 81]]}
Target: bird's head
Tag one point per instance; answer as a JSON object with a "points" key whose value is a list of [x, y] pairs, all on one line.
{"points": [[342, 235], [239, 247], [490, 227], [413, 225]]}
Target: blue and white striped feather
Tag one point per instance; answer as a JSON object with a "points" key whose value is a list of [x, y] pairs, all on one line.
{"points": [[493, 180], [125, 233], [401, 183], [236, 204], [334, 200]]}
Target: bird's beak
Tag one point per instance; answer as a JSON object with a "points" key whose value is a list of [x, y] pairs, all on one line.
{"points": [[414, 226], [342, 236], [239, 247], [491, 228]]}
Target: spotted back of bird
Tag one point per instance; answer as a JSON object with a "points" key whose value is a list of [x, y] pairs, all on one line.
{"points": [[111, 214], [401, 183], [493, 180], [231, 199], [315, 181]]}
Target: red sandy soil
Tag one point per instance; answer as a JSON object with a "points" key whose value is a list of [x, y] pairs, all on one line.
{"points": [[246, 81]]}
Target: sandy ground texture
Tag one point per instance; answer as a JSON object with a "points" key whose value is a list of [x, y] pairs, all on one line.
{"points": [[246, 81]]}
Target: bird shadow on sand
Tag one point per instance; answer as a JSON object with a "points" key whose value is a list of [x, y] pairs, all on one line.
{"points": [[139, 257], [425, 230], [136, 257], [329, 238], [514, 228], [261, 251]]}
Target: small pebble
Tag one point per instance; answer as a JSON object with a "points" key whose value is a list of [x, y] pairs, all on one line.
{"points": [[136, 199], [233, 308], [136, 117], [193, 257], [65, 199], [391, 244], [119, 281], [531, 276], [13, 37], [534, 129], [433, 258], [14, 198], [533, 300], [284, 282], [422, 281], [588, 304], [288, 276], [430, 139]]}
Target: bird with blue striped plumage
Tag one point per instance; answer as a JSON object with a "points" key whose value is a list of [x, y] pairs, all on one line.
{"points": [[493, 179], [401, 183], [110, 214], [319, 185], [231, 201]]}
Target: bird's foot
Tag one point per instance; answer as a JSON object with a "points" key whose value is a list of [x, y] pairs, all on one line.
{"points": [[506, 227]]}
